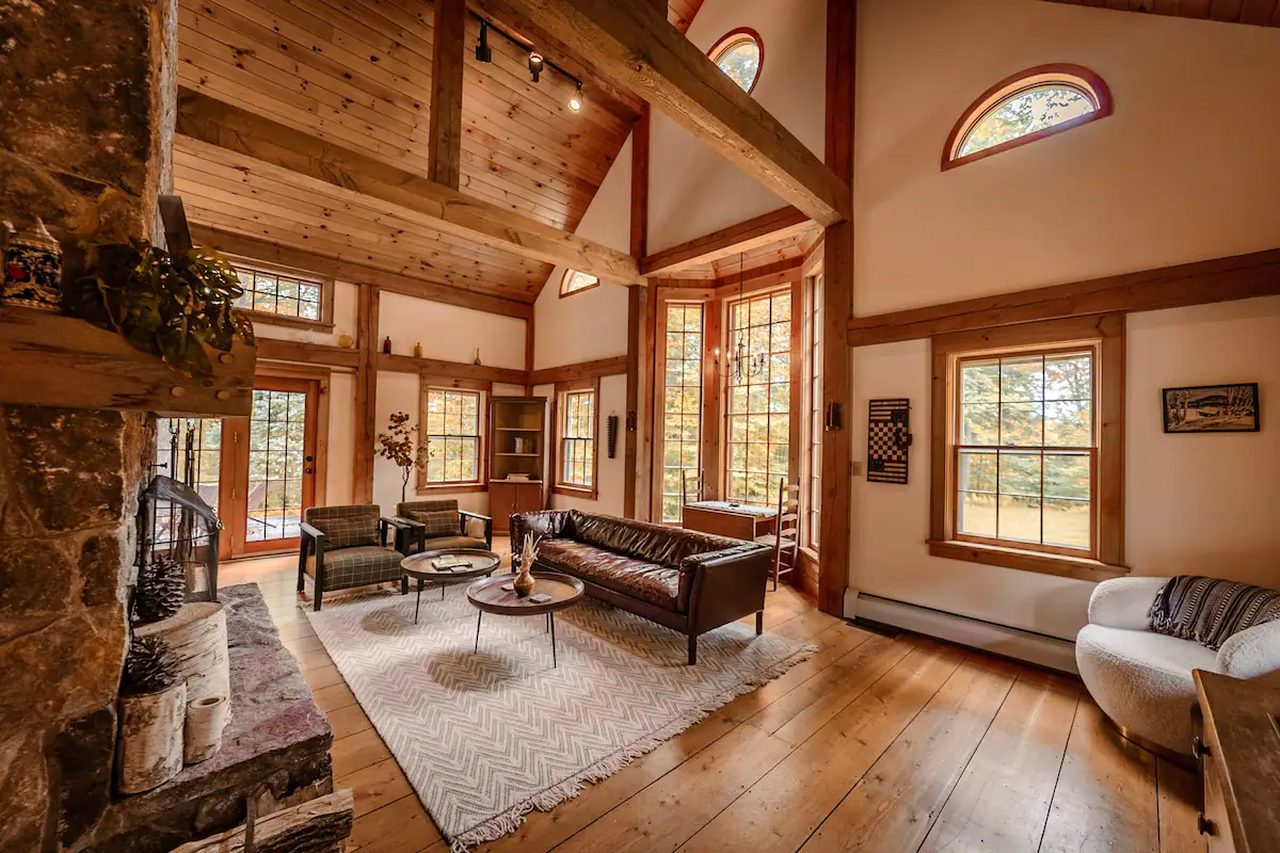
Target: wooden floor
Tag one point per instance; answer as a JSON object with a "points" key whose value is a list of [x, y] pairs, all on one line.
{"points": [[874, 743]]}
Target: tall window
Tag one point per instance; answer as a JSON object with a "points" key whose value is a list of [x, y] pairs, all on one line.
{"points": [[576, 282], [577, 427], [682, 405], [283, 295], [1029, 105], [813, 342], [740, 55], [759, 409], [452, 436]]}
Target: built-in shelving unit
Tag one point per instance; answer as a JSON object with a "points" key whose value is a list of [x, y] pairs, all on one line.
{"points": [[517, 446]]}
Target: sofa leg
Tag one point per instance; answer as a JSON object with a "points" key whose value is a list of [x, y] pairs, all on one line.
{"points": [[693, 649], [759, 622], [318, 596]]}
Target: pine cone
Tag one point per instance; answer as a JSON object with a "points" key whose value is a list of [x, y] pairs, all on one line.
{"points": [[149, 666], [162, 587]]}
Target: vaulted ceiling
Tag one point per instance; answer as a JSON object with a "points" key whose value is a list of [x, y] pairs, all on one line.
{"points": [[357, 73], [1260, 12]]}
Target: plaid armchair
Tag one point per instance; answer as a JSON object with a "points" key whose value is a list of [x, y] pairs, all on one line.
{"points": [[346, 546], [430, 525]]}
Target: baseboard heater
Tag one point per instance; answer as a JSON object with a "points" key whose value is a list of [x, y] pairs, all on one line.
{"points": [[1041, 649]]}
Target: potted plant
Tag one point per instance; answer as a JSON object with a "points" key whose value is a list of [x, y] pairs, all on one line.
{"points": [[400, 445], [171, 306]]}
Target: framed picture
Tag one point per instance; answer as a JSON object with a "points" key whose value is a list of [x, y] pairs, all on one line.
{"points": [[1211, 408]]}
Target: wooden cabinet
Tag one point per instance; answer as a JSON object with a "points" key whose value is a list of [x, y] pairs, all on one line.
{"points": [[517, 457]]}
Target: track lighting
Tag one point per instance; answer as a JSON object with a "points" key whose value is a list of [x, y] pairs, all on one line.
{"points": [[577, 100], [484, 53], [536, 64]]}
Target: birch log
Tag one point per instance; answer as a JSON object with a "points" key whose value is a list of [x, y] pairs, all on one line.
{"points": [[202, 734], [317, 826], [150, 739], [197, 636]]}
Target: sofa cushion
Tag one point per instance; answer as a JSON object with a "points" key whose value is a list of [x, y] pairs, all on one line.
{"points": [[649, 582], [651, 543], [357, 566], [345, 526], [1209, 610], [438, 522], [442, 542]]}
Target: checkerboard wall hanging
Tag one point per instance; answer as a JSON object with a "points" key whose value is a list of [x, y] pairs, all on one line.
{"points": [[888, 437]]}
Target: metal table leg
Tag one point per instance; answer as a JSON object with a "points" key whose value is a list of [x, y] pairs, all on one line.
{"points": [[479, 616], [551, 620], [417, 603]]}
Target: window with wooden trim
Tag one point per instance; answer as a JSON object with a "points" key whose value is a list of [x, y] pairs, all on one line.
{"points": [[576, 427], [1031, 465], [576, 282], [288, 298], [813, 373], [740, 55], [758, 437], [681, 404], [452, 431], [1027, 106]]}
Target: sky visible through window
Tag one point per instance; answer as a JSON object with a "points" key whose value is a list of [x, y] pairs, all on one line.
{"points": [[1025, 112]]}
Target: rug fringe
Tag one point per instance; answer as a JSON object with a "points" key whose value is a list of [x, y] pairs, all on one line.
{"points": [[507, 822]]}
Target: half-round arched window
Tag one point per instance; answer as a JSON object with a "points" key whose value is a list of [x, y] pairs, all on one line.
{"points": [[576, 282], [740, 54], [1030, 105]]}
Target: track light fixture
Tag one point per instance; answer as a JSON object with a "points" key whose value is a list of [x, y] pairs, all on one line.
{"points": [[577, 100], [484, 53], [536, 63]]}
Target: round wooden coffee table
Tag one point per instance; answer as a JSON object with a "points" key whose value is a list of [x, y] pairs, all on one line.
{"points": [[498, 596], [418, 566]]}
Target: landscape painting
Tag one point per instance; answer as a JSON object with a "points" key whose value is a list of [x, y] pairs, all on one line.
{"points": [[1212, 408]]}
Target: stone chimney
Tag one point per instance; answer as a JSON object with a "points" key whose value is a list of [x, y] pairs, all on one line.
{"points": [[87, 99]]}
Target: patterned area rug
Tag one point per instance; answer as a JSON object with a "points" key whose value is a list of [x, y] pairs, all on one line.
{"points": [[486, 737]]}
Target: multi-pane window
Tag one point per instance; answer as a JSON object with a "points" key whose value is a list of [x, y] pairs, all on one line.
{"points": [[759, 399], [277, 461], [813, 343], [1025, 450], [682, 404], [578, 439], [452, 435], [278, 293]]}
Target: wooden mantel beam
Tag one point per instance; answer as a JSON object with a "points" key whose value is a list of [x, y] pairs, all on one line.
{"points": [[208, 121], [634, 46], [740, 237]]}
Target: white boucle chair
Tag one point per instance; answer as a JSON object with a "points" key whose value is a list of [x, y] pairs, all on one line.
{"points": [[1142, 680]]}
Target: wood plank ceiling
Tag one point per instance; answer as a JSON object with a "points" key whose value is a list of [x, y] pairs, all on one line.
{"points": [[1264, 13], [358, 73]]}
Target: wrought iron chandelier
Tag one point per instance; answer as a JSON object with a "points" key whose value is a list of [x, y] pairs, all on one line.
{"points": [[742, 365]]}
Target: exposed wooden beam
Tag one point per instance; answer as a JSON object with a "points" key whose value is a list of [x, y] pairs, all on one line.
{"points": [[451, 369], [448, 46], [367, 306], [763, 277], [835, 554], [581, 370], [640, 187], [302, 352], [636, 305], [205, 120], [741, 237], [633, 45], [257, 249], [1217, 280]]}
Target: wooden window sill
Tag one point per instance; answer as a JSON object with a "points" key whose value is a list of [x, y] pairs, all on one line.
{"points": [[587, 493], [1027, 561], [269, 319], [430, 488]]}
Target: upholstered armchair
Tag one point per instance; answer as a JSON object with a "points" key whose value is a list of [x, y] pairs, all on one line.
{"points": [[430, 525], [346, 546], [1141, 679]]}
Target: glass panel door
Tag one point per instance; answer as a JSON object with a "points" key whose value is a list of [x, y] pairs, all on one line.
{"points": [[280, 461]]}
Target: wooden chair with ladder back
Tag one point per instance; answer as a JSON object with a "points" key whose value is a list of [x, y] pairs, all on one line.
{"points": [[691, 487], [785, 540]]}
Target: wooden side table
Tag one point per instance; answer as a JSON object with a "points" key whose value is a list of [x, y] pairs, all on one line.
{"points": [[490, 596], [418, 567]]}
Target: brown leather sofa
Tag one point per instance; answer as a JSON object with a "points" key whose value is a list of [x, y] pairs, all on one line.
{"points": [[688, 581]]}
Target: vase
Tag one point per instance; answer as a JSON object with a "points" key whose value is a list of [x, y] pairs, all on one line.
{"points": [[32, 268], [524, 580], [202, 732]]}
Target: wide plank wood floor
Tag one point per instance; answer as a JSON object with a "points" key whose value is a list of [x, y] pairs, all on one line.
{"points": [[875, 743]]}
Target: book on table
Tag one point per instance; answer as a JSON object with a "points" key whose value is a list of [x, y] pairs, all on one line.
{"points": [[450, 563]]}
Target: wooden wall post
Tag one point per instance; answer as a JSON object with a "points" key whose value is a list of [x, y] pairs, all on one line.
{"points": [[637, 483], [837, 487], [366, 393], [444, 153]]}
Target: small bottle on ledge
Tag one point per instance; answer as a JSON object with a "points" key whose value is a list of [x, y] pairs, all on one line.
{"points": [[386, 345]]}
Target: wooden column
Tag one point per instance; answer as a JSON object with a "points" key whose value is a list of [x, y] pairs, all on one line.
{"points": [[366, 393], [637, 303], [837, 487], [712, 411], [444, 153]]}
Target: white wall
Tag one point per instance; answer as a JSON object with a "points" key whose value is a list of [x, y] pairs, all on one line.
{"points": [[1175, 175], [450, 332]]}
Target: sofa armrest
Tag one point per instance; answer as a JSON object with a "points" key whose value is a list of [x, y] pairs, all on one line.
{"points": [[725, 585], [1124, 602], [545, 524], [1252, 653], [488, 524]]}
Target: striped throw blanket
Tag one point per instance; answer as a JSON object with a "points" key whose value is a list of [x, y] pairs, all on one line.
{"points": [[1209, 610]]}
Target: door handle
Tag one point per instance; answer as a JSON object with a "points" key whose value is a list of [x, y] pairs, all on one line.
{"points": [[309, 470]]}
